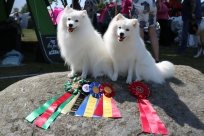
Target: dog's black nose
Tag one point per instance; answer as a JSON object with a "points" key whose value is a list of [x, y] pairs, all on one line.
{"points": [[121, 34], [70, 25]]}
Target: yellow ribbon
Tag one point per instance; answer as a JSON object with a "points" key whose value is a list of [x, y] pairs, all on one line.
{"points": [[90, 107], [107, 107]]}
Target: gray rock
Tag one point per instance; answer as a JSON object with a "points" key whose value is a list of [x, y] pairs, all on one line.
{"points": [[178, 102]]}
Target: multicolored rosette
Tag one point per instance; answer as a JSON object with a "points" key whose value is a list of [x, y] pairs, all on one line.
{"points": [[94, 89], [88, 106], [48, 112], [73, 86], [84, 88], [84, 91], [106, 106], [151, 123]]}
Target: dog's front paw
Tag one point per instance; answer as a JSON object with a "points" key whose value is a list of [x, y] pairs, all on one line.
{"points": [[70, 75], [114, 77], [129, 80], [138, 79], [84, 76]]}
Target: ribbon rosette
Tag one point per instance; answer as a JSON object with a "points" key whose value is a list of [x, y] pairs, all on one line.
{"points": [[149, 118], [73, 86], [88, 106], [84, 90], [52, 108], [106, 106]]}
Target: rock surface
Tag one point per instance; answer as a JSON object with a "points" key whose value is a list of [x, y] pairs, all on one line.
{"points": [[178, 102]]}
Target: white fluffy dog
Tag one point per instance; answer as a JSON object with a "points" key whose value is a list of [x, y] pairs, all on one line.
{"points": [[129, 53], [82, 48]]}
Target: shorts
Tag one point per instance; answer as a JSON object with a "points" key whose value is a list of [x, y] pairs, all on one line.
{"points": [[145, 12]]}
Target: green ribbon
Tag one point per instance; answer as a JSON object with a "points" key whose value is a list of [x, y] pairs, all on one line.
{"points": [[41, 109], [55, 114]]}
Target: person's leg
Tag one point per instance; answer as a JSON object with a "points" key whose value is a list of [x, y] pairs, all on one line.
{"points": [[184, 38], [154, 42], [18, 43], [164, 39], [142, 33]]}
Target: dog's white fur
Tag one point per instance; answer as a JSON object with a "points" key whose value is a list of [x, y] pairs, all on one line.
{"points": [[130, 54], [82, 48]]}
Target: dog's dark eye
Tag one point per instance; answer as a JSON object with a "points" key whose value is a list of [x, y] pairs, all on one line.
{"points": [[76, 20], [68, 19], [127, 29], [119, 27]]}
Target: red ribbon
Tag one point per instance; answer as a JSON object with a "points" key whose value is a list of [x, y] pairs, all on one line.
{"points": [[151, 122], [107, 90], [44, 117]]}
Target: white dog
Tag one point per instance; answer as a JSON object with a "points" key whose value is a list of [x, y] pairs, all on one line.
{"points": [[129, 53], [82, 48]]}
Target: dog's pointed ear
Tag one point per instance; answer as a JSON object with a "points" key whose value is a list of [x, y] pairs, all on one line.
{"points": [[84, 13], [67, 8], [119, 17], [135, 22]]}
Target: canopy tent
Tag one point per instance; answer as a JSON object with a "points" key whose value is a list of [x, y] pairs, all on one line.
{"points": [[44, 28]]}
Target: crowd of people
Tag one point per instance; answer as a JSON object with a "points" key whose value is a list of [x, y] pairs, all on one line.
{"points": [[150, 12]]}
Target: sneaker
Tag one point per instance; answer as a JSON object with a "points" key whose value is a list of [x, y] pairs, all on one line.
{"points": [[179, 51]]}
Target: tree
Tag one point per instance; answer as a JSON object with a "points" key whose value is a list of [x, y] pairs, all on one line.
{"points": [[15, 9], [24, 9]]}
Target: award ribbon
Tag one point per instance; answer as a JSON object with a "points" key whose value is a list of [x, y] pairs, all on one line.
{"points": [[51, 109], [84, 90], [106, 106], [55, 114], [88, 106], [151, 122], [44, 117], [73, 86], [41, 109]]}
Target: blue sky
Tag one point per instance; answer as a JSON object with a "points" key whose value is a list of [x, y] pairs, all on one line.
{"points": [[19, 3]]}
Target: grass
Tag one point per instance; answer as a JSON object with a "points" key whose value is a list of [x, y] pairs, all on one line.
{"points": [[29, 35], [33, 67]]}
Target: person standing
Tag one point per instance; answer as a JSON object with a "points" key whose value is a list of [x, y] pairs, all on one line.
{"points": [[91, 7], [145, 12], [191, 13], [162, 18], [75, 5], [125, 9], [18, 20]]}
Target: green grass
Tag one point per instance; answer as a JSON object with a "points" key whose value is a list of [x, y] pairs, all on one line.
{"points": [[29, 35], [166, 53], [33, 67]]}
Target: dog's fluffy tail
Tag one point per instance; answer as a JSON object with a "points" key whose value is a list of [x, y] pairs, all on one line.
{"points": [[166, 68], [103, 67], [158, 73]]}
